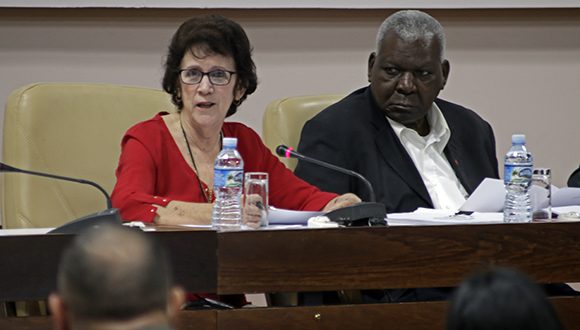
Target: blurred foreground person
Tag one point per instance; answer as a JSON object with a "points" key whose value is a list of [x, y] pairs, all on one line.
{"points": [[114, 278], [501, 299]]}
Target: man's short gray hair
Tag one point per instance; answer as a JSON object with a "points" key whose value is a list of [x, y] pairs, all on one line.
{"points": [[411, 25]]}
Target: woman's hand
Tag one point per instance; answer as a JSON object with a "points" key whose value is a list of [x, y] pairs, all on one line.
{"points": [[253, 211], [178, 212], [341, 201]]}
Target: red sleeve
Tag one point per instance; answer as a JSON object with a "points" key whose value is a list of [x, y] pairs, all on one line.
{"points": [[152, 171], [134, 193]]}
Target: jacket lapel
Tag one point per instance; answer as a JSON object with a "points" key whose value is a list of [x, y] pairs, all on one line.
{"points": [[454, 155], [454, 159], [395, 155]]}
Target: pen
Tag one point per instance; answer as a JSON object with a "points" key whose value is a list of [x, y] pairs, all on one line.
{"points": [[463, 213]]}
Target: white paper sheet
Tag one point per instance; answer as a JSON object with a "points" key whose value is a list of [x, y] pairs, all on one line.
{"points": [[289, 217], [566, 209], [489, 196], [24, 231], [567, 213], [426, 217], [565, 196], [197, 226]]}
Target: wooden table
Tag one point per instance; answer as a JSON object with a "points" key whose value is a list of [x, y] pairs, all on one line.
{"points": [[328, 259], [28, 263], [393, 257]]}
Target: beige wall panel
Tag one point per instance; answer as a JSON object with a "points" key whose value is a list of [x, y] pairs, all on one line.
{"points": [[519, 69]]}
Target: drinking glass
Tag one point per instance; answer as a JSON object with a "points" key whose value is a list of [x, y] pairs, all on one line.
{"points": [[256, 198], [541, 177]]}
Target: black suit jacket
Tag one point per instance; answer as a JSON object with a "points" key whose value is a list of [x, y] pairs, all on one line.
{"points": [[574, 179], [354, 134]]}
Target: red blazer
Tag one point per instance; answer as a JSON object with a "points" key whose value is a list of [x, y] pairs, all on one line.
{"points": [[152, 171]]}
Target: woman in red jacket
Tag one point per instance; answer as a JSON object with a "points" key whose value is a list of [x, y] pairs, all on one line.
{"points": [[165, 172]]}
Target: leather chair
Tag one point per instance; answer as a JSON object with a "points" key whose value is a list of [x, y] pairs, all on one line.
{"points": [[284, 118], [282, 124], [68, 129]]}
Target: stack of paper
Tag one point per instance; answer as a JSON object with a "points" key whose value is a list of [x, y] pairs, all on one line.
{"points": [[489, 196], [426, 217]]}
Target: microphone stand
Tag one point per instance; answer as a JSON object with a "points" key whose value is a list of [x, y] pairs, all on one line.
{"points": [[368, 213], [110, 215]]}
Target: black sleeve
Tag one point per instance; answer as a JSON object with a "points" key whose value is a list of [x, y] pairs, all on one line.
{"points": [[319, 140], [574, 180], [492, 152]]}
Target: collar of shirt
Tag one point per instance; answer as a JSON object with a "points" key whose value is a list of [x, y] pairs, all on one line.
{"points": [[439, 132], [444, 188]]}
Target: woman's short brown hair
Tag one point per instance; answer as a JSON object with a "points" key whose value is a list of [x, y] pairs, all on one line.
{"points": [[218, 35]]}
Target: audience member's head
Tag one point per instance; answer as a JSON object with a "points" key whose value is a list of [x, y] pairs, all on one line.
{"points": [[114, 277], [501, 299]]}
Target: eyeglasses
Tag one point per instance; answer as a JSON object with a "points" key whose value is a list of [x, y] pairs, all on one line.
{"points": [[217, 77]]}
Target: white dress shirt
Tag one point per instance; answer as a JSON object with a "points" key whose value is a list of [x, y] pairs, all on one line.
{"points": [[444, 188]]}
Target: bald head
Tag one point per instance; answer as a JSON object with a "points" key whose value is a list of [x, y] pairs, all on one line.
{"points": [[413, 25], [113, 273]]}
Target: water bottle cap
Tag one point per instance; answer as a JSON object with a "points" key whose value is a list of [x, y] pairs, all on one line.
{"points": [[230, 142], [519, 139]]}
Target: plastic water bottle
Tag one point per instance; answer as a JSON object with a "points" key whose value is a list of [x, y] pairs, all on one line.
{"points": [[517, 178], [227, 186]]}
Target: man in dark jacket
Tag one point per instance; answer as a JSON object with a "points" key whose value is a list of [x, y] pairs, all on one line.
{"points": [[415, 149]]}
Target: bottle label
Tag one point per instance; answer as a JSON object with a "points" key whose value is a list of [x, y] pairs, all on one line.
{"points": [[518, 174], [228, 178]]}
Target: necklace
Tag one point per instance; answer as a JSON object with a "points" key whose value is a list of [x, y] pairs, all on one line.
{"points": [[207, 193]]}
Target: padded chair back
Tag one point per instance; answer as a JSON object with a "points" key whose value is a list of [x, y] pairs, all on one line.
{"points": [[284, 118], [67, 129]]}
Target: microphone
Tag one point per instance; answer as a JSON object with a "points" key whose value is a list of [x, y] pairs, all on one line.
{"points": [[287, 152], [368, 213], [110, 215]]}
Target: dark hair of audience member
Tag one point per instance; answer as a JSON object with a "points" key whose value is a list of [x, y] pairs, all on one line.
{"points": [[500, 299], [114, 274]]}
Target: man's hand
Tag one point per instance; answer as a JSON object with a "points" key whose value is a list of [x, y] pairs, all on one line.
{"points": [[341, 201]]}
